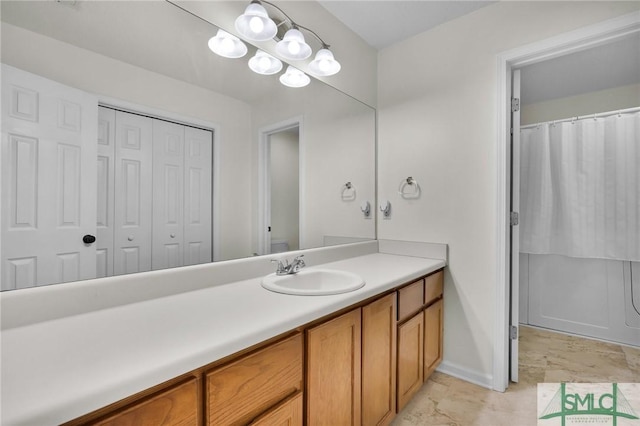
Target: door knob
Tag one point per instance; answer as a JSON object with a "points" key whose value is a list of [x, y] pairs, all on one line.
{"points": [[88, 239]]}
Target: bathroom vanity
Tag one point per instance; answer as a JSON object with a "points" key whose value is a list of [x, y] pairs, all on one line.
{"points": [[236, 353]]}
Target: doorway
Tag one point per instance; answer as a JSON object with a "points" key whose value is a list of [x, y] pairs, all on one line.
{"points": [[281, 180], [284, 190], [507, 315]]}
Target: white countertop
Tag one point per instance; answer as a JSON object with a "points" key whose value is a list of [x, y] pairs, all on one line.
{"points": [[57, 370]]}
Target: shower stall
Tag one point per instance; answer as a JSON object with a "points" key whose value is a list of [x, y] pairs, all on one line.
{"points": [[580, 225]]}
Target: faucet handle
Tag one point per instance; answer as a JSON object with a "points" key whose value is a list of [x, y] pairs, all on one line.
{"points": [[280, 267]]}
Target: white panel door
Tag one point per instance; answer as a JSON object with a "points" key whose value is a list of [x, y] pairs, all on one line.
{"points": [[133, 187], [48, 181], [168, 195], [105, 191], [198, 162]]}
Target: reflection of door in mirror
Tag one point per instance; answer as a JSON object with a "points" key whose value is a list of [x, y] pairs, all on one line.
{"points": [[92, 192], [48, 181], [159, 194], [284, 189]]}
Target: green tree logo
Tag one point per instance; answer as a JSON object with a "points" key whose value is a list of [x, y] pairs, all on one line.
{"points": [[564, 405]]}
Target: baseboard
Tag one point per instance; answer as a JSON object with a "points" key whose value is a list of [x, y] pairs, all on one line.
{"points": [[457, 371]]}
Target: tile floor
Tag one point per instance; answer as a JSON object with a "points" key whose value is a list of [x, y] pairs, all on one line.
{"points": [[545, 356]]}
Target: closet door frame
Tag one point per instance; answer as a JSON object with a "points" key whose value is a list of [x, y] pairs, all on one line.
{"points": [[133, 108]]}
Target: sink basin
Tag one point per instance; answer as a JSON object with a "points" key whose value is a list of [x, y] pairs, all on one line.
{"points": [[313, 282]]}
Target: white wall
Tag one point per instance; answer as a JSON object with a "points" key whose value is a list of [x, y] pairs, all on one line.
{"points": [[437, 122], [584, 104], [337, 145], [104, 76]]}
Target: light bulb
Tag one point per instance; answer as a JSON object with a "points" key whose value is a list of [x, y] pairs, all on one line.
{"points": [[256, 24], [324, 65], [226, 45], [294, 47], [264, 63]]}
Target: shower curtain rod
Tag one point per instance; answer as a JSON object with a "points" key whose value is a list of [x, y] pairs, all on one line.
{"points": [[582, 117]]}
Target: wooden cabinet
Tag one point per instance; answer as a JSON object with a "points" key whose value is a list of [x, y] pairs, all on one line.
{"points": [[419, 338], [239, 392], [410, 358], [178, 405], [358, 368], [433, 287], [433, 327], [333, 371], [287, 413], [379, 343], [410, 299]]}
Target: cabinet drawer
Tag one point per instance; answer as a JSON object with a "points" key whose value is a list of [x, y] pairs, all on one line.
{"points": [[288, 413], [410, 299], [433, 287], [239, 392], [175, 406]]}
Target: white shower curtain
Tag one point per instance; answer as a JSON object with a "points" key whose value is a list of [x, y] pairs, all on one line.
{"points": [[580, 188]]}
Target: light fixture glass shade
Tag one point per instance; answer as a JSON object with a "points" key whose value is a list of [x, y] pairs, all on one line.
{"points": [[324, 63], [265, 64], [227, 45], [293, 47], [293, 77], [254, 24]]}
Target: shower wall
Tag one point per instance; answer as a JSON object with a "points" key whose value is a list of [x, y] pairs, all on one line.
{"points": [[590, 297]]}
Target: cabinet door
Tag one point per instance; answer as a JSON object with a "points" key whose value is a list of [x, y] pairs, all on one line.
{"points": [[432, 337], [288, 413], [333, 371], [410, 358], [176, 406], [379, 345], [241, 391]]}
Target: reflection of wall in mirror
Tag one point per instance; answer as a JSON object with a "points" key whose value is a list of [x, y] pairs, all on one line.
{"points": [[337, 145], [95, 73]]}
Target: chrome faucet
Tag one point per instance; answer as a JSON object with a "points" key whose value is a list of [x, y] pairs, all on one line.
{"points": [[287, 268]]}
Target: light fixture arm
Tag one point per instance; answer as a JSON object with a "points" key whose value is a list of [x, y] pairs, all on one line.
{"points": [[293, 23]]}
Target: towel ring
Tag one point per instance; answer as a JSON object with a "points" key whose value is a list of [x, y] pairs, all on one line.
{"points": [[348, 192], [409, 188]]}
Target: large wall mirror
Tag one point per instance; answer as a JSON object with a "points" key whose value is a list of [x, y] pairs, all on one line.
{"points": [[128, 146]]}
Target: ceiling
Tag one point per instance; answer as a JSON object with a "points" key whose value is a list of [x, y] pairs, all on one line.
{"points": [[382, 23], [602, 67]]}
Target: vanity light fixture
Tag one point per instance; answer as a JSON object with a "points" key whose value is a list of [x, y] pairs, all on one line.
{"points": [[227, 45], [254, 24], [293, 77], [292, 46], [324, 64], [265, 64]]}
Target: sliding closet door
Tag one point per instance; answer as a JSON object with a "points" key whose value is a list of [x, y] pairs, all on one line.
{"points": [[198, 171], [168, 194], [105, 191], [48, 181], [154, 194], [133, 198]]}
